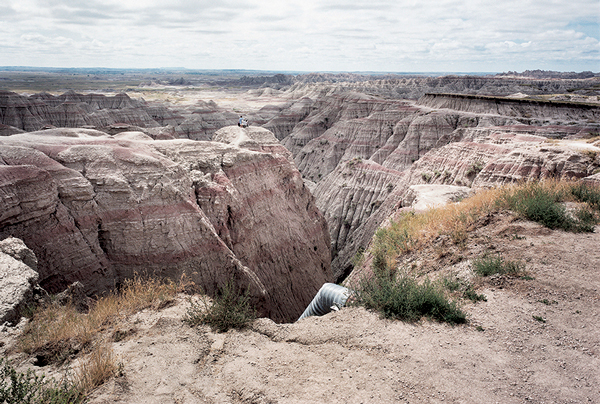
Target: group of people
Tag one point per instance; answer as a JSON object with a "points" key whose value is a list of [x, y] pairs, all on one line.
{"points": [[243, 122]]}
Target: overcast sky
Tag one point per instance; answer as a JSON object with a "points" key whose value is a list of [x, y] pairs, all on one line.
{"points": [[307, 35]]}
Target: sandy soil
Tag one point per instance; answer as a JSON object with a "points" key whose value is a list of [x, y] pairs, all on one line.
{"points": [[504, 355]]}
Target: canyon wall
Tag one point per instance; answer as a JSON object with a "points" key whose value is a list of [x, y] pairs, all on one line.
{"points": [[73, 110], [364, 152], [99, 209]]}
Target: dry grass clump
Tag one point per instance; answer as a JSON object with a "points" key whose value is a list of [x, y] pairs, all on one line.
{"points": [[100, 366], [56, 332], [413, 229], [231, 308], [31, 388], [538, 201]]}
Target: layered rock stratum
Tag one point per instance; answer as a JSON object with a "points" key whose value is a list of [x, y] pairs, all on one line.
{"points": [[99, 209], [73, 110], [361, 153]]}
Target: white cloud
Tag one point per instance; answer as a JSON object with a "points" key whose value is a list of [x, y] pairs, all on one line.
{"points": [[470, 35]]}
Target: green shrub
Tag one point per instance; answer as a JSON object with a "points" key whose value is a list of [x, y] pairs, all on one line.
{"points": [[474, 168], [453, 283], [229, 309], [490, 265], [29, 388], [403, 298], [471, 294], [587, 193], [542, 204]]}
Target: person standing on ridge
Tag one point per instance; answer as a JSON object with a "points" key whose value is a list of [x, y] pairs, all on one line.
{"points": [[240, 121]]}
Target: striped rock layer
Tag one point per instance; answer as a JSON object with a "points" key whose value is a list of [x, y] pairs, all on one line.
{"points": [[100, 209], [364, 152]]}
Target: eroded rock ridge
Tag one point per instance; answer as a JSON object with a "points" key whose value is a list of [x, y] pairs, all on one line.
{"points": [[361, 153], [98, 209]]}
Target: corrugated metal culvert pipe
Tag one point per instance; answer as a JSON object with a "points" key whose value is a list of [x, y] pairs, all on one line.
{"points": [[329, 297]]}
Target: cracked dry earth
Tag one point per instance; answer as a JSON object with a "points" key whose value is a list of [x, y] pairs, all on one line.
{"points": [[504, 355]]}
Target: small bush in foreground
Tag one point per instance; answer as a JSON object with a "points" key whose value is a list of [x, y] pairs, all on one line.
{"points": [[471, 294], [490, 265], [403, 298], [29, 388], [230, 309]]}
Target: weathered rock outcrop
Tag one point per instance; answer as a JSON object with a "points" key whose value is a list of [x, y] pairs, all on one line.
{"points": [[545, 111], [98, 209], [414, 87], [348, 197], [202, 121], [17, 278], [73, 110], [365, 161]]}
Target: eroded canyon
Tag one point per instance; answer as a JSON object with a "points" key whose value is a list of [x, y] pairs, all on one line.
{"points": [[157, 179], [147, 183]]}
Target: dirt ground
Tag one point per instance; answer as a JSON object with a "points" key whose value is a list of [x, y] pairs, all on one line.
{"points": [[503, 355]]}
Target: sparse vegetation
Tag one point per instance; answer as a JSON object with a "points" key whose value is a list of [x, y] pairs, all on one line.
{"points": [[492, 265], [230, 309], [539, 318], [474, 168], [100, 366], [541, 202], [353, 162], [534, 201], [465, 288], [587, 193], [57, 332], [30, 388], [402, 297], [471, 294], [359, 257]]}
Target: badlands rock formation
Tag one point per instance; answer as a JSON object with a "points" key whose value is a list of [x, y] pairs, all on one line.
{"points": [[17, 278], [98, 209], [364, 152], [79, 110], [203, 119], [414, 87]]}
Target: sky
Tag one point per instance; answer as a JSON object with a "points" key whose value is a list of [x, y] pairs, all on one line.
{"points": [[307, 35]]}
